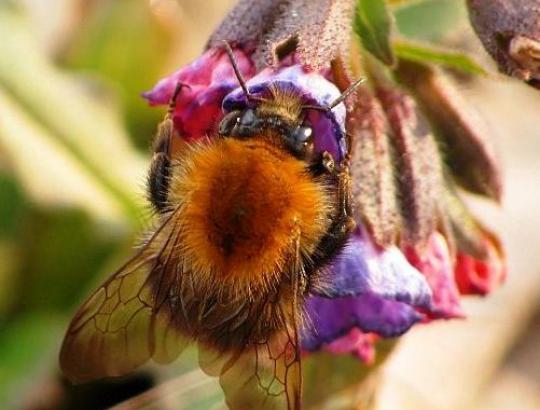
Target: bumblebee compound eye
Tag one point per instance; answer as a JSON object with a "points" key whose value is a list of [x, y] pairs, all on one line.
{"points": [[248, 124], [304, 134], [302, 141], [229, 122], [248, 118]]}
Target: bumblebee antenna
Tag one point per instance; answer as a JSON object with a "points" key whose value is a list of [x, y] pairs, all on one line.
{"points": [[237, 72], [174, 96], [351, 89]]}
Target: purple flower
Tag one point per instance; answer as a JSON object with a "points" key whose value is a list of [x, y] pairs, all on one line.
{"points": [[371, 289]]}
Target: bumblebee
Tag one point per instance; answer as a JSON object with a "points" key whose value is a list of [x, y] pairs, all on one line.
{"points": [[248, 219]]}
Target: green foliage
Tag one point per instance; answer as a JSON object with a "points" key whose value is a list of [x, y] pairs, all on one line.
{"points": [[12, 205], [125, 44], [66, 235], [420, 20], [423, 53], [374, 25], [430, 20], [27, 353], [49, 117], [70, 197]]}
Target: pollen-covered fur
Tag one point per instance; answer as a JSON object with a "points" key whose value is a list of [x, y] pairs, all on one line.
{"points": [[241, 203]]}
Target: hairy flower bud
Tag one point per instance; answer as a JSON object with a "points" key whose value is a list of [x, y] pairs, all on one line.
{"points": [[374, 189], [418, 164], [510, 32], [466, 137], [319, 31]]}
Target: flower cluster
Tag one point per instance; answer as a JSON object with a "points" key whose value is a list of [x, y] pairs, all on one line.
{"points": [[416, 247]]}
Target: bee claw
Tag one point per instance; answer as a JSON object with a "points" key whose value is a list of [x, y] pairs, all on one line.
{"points": [[328, 162]]}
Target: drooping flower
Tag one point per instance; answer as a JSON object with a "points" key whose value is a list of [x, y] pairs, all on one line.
{"points": [[436, 264], [510, 32], [376, 290], [479, 276], [398, 267]]}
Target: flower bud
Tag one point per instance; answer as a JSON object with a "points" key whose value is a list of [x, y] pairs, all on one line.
{"points": [[465, 136], [480, 276], [374, 189], [319, 31], [418, 165], [510, 32]]}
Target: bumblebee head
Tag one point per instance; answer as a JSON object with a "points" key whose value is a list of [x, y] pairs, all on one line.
{"points": [[297, 137]]}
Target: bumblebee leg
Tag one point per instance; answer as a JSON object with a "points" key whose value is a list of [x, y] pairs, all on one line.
{"points": [[158, 176], [343, 224], [344, 193], [158, 180]]}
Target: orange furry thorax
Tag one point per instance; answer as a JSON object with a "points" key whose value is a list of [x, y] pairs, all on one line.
{"points": [[243, 206]]}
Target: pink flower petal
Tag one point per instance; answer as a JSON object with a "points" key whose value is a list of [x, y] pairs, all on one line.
{"points": [[436, 265], [207, 81], [357, 343], [480, 277]]}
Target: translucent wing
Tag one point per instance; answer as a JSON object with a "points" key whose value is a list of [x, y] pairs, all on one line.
{"points": [[132, 317], [150, 308], [267, 372]]}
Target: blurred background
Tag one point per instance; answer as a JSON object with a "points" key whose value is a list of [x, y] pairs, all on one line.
{"points": [[74, 148]]}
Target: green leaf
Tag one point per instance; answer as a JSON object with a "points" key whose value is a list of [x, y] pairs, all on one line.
{"points": [[430, 20], [113, 39], [374, 25], [46, 169], [28, 349], [424, 53], [70, 136]]}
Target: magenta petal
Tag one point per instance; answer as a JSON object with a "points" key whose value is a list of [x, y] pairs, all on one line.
{"points": [[435, 263], [356, 342], [207, 80]]}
